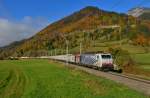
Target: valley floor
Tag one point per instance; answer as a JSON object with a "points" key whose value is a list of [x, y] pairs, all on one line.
{"points": [[47, 79]]}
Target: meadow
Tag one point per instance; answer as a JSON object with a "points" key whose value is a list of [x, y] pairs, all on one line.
{"points": [[143, 63], [48, 79]]}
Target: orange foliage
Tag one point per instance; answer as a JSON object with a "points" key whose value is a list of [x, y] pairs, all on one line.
{"points": [[141, 40]]}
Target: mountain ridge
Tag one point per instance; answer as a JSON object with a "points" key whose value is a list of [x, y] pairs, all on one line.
{"points": [[51, 37], [140, 12]]}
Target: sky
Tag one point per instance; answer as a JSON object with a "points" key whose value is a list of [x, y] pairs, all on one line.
{"points": [[20, 19]]}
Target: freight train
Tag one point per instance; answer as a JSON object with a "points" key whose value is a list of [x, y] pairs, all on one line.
{"points": [[101, 61]]}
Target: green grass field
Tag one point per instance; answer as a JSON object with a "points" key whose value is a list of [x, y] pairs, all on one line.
{"points": [[142, 60], [46, 79]]}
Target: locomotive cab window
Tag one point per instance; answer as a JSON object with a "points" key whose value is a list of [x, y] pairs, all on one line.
{"points": [[106, 56]]}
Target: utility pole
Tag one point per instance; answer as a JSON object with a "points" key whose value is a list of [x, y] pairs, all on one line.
{"points": [[51, 53], [80, 48], [62, 52], [67, 51], [120, 31], [67, 47], [55, 51]]}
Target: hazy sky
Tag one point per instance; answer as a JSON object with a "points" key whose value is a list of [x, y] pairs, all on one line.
{"points": [[21, 19]]}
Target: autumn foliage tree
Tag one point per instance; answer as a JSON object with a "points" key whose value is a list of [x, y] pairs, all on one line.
{"points": [[141, 40]]}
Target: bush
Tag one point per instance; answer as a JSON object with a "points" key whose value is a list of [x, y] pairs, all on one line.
{"points": [[121, 57]]}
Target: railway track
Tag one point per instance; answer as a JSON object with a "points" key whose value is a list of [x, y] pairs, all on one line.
{"points": [[137, 84], [131, 77]]}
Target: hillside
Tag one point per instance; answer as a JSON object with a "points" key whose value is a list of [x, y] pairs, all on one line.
{"points": [[145, 16], [82, 25]]}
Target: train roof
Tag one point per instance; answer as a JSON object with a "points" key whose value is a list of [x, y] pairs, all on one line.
{"points": [[98, 52]]}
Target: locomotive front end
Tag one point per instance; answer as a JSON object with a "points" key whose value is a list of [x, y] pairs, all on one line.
{"points": [[107, 61]]}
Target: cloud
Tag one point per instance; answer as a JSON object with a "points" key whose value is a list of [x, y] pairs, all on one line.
{"points": [[11, 31]]}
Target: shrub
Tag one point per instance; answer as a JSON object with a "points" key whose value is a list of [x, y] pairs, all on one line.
{"points": [[121, 57]]}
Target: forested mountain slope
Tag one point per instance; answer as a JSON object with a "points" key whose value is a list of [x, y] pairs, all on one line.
{"points": [[87, 22]]}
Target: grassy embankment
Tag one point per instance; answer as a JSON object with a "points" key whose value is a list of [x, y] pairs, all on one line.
{"points": [[143, 60], [46, 79]]}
